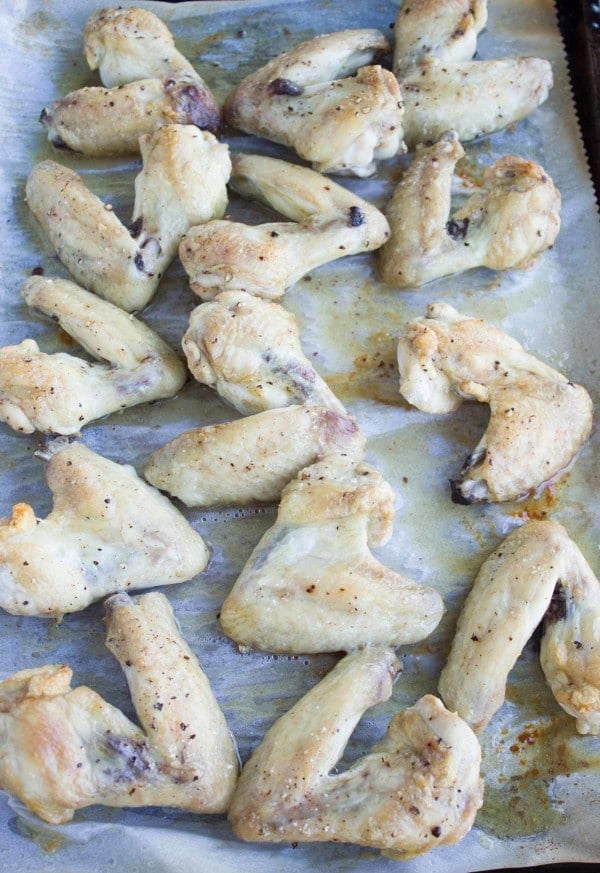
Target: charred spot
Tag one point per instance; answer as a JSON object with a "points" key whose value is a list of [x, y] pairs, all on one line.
{"points": [[557, 608], [136, 228], [456, 494], [356, 216], [59, 143], [139, 262], [473, 460], [194, 106], [37, 271], [45, 117], [436, 831], [133, 752], [457, 229], [284, 87]]}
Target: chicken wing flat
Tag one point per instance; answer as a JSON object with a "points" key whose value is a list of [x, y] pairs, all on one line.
{"points": [[62, 749], [148, 84], [249, 351], [266, 259], [506, 224], [108, 531], [61, 393], [538, 419], [537, 573], [182, 183], [446, 29], [473, 98], [418, 788], [251, 459], [310, 100], [312, 584]]}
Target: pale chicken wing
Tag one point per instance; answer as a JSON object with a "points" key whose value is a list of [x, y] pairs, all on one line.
{"points": [[148, 83], [251, 459], [310, 100], [419, 788], [60, 393], [473, 98], [312, 584], [266, 259], [108, 531], [63, 749], [538, 418], [182, 183], [249, 351], [504, 225]]}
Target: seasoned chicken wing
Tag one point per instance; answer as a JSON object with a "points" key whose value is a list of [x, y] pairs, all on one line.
{"points": [[249, 351], [182, 183], [446, 29], [417, 789], [251, 459], [148, 84], [62, 749], [536, 572], [108, 531], [505, 224], [310, 99], [61, 393], [312, 584], [471, 97], [266, 259], [538, 419]]}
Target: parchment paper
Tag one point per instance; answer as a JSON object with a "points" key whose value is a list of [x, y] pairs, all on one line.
{"points": [[543, 781]]}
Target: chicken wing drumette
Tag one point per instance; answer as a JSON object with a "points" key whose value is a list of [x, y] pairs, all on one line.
{"points": [[108, 531], [505, 224], [538, 419], [310, 99], [248, 350], [265, 259], [537, 573], [60, 393], [251, 459], [148, 83], [62, 749], [312, 584], [417, 789], [182, 183]]}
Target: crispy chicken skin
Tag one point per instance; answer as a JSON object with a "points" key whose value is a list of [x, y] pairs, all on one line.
{"points": [[60, 393], [538, 419], [182, 183], [62, 749], [310, 100], [505, 224], [265, 259], [148, 84], [418, 788], [473, 98], [108, 531], [312, 584], [446, 29], [251, 459], [249, 351], [536, 572]]}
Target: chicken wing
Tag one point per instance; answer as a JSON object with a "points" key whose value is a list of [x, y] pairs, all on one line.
{"points": [[506, 224], [108, 531], [62, 749], [418, 788], [301, 99], [536, 572], [251, 459], [446, 29], [61, 393], [248, 349], [148, 84], [312, 584], [182, 183], [538, 419], [266, 259], [471, 97]]}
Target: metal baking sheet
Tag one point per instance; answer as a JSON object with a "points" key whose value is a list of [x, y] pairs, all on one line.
{"points": [[542, 779]]}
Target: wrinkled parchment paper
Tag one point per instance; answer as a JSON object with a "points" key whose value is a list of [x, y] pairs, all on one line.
{"points": [[543, 781]]}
